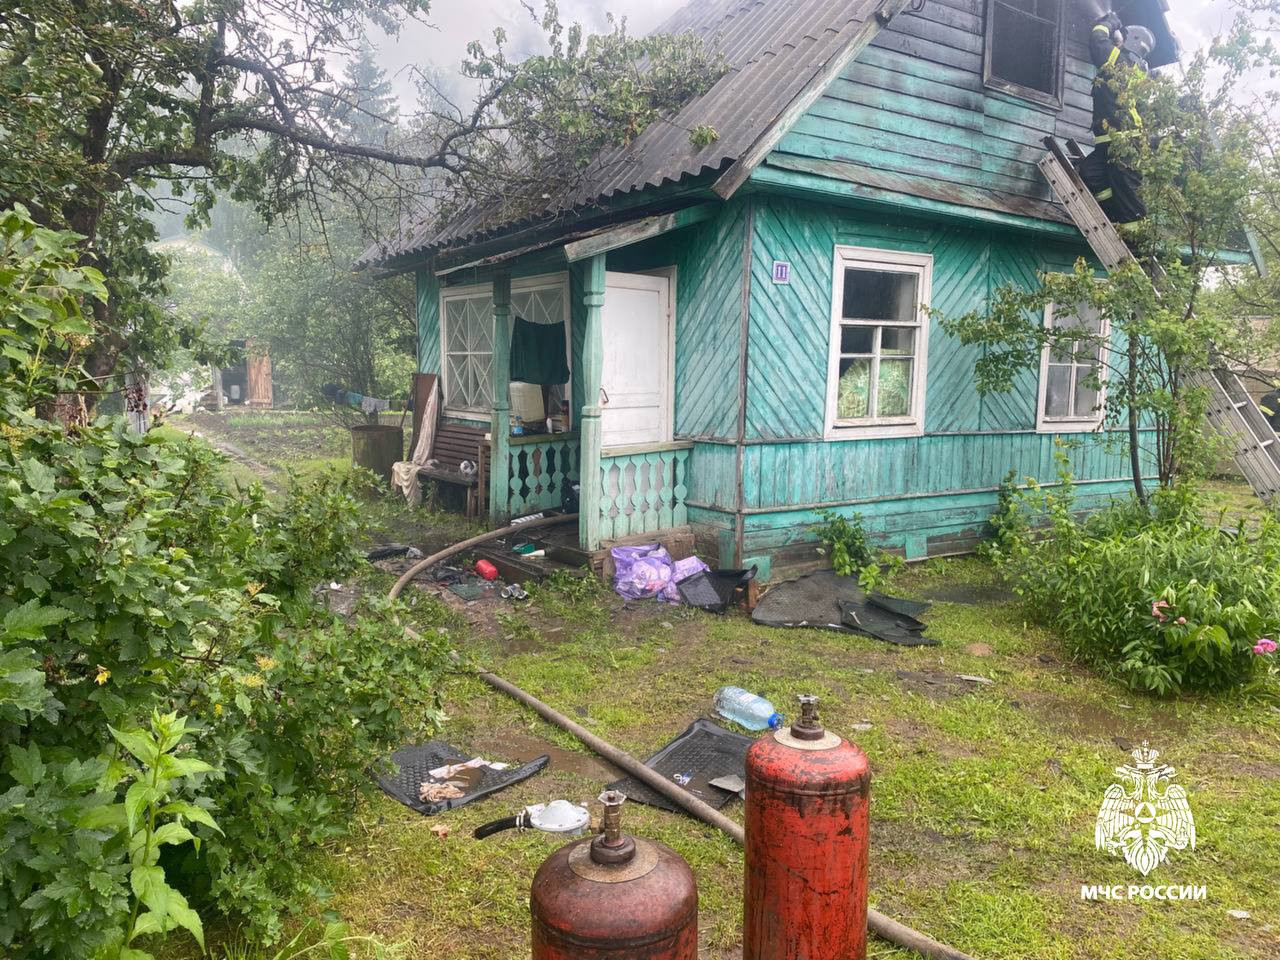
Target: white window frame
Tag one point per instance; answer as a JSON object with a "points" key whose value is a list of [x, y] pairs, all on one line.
{"points": [[892, 261], [544, 281], [1072, 424]]}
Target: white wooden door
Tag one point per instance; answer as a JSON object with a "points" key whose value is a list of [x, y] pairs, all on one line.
{"points": [[636, 386]]}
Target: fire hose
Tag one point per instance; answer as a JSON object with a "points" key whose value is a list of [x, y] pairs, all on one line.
{"points": [[882, 926]]}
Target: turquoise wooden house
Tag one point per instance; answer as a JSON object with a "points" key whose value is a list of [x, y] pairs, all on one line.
{"points": [[745, 330]]}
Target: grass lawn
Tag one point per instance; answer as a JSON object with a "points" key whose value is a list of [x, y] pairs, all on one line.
{"points": [[983, 798]]}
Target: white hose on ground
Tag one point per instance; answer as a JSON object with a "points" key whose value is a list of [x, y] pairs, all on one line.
{"points": [[882, 926]]}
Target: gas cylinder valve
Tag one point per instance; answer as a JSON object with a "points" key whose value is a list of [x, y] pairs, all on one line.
{"points": [[612, 846], [808, 726]]}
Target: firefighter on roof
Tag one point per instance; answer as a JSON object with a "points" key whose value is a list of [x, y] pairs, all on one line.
{"points": [[1120, 54]]}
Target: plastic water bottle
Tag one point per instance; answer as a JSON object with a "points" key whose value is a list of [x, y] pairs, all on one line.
{"points": [[745, 708]]}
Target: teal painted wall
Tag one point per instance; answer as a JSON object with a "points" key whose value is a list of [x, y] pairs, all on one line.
{"points": [[708, 259], [428, 296], [790, 324], [930, 493], [914, 104]]}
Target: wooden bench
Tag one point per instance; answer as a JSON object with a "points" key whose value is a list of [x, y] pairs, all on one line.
{"points": [[451, 445]]}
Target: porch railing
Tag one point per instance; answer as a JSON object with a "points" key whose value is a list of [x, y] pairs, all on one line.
{"points": [[643, 489], [539, 469]]}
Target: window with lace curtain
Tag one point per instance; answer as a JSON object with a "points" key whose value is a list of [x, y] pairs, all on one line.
{"points": [[879, 331]]}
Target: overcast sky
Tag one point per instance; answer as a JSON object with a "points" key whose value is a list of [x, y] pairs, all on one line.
{"points": [[454, 23]]}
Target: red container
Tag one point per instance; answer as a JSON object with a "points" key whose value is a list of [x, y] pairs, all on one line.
{"points": [[807, 826], [486, 569], [614, 898]]}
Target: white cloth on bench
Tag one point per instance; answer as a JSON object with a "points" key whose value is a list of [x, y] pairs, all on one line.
{"points": [[404, 475]]}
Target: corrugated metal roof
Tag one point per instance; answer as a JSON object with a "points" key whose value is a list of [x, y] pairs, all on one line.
{"points": [[773, 48]]}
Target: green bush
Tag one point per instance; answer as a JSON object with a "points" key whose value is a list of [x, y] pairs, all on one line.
{"points": [[844, 541], [1161, 600], [134, 584]]}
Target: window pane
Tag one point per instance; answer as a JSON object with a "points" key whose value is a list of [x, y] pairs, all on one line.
{"points": [[857, 339], [897, 341], [853, 393], [1024, 47], [1057, 393], [879, 295], [1086, 398], [1064, 351], [893, 396]]}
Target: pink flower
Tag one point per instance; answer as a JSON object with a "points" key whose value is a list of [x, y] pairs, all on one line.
{"points": [[1264, 645], [1156, 607], [1182, 621]]}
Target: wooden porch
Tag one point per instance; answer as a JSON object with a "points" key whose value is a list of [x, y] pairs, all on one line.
{"points": [[629, 491]]}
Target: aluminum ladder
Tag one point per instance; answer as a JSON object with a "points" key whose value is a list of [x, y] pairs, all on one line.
{"points": [[1232, 412]]}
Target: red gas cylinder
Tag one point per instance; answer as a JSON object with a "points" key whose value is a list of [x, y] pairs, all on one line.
{"points": [[614, 897], [807, 828]]}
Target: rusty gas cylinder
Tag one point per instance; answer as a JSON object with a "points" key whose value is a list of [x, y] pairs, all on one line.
{"points": [[807, 825], [614, 897]]}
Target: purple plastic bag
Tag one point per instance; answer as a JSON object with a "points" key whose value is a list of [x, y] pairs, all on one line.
{"points": [[679, 571], [642, 571]]}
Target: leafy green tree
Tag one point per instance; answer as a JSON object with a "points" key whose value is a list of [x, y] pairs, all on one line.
{"points": [[110, 105], [135, 584]]}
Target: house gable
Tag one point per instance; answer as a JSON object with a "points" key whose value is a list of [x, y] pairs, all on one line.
{"points": [[912, 115]]}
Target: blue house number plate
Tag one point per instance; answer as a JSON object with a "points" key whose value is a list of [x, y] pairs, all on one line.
{"points": [[781, 271]]}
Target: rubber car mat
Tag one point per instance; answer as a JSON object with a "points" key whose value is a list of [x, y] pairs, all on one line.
{"points": [[875, 621], [414, 762], [704, 752], [827, 601]]}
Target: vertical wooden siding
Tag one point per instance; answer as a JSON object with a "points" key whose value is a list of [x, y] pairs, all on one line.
{"points": [[912, 490], [428, 296], [708, 262], [788, 351], [914, 103]]}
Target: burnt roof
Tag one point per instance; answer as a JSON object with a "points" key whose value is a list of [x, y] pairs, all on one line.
{"points": [[772, 47]]}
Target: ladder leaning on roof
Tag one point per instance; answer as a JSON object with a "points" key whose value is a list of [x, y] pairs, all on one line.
{"points": [[1232, 412]]}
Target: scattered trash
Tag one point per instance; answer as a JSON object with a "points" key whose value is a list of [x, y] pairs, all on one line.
{"points": [[412, 773], [824, 600], [413, 553], [513, 591], [451, 770], [523, 548], [388, 551], [486, 570], [682, 778], [746, 709], [429, 792], [972, 679], [704, 752], [647, 571], [441, 830], [862, 726], [1239, 914], [730, 784], [447, 575], [335, 586], [469, 590], [713, 590], [558, 816]]}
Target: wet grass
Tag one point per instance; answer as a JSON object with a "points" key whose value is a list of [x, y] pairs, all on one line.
{"points": [[983, 799], [984, 795]]}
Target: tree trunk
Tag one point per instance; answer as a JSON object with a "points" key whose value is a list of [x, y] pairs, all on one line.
{"points": [[1135, 454]]}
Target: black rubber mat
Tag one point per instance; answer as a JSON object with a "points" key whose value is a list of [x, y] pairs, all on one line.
{"points": [[413, 762], [826, 601], [704, 752]]}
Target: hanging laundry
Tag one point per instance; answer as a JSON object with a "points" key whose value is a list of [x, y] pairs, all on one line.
{"points": [[538, 353]]}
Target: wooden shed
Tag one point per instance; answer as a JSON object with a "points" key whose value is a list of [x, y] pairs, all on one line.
{"points": [[746, 326]]}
